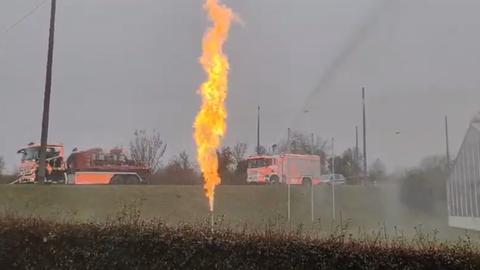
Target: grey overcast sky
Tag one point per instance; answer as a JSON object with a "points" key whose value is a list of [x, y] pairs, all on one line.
{"points": [[121, 65]]}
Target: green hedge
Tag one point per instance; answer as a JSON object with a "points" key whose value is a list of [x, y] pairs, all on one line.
{"points": [[37, 244]]}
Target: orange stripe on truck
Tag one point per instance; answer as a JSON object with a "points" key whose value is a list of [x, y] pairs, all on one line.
{"points": [[93, 178]]}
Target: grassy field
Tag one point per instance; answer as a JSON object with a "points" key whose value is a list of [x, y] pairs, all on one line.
{"points": [[361, 208]]}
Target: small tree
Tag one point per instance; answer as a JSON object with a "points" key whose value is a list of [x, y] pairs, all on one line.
{"points": [[346, 165], [232, 165], [179, 171], [423, 186], [377, 171], [184, 161], [2, 165], [241, 163], [148, 148], [239, 151], [226, 164], [261, 150], [304, 144]]}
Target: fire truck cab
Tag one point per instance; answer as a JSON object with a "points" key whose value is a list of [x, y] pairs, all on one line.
{"points": [[284, 169], [30, 156]]}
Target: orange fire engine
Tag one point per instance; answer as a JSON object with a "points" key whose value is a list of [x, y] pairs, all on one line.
{"points": [[93, 166], [285, 169]]}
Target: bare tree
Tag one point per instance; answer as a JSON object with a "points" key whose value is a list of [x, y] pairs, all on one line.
{"points": [[241, 163], [2, 165], [148, 148], [239, 151], [226, 162], [184, 161], [179, 171], [378, 171], [232, 165], [346, 165], [303, 144]]}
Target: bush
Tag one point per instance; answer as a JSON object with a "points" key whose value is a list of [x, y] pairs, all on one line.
{"points": [[2, 165], [37, 244], [232, 164], [6, 179], [179, 171], [424, 186]]}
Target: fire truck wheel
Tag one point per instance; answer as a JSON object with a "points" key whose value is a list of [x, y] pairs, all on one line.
{"points": [[307, 181], [274, 179], [132, 180], [117, 180]]}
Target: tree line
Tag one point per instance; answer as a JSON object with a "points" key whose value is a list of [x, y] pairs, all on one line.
{"points": [[181, 169], [148, 147]]}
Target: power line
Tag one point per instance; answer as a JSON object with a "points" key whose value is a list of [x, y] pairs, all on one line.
{"points": [[24, 17], [351, 46]]}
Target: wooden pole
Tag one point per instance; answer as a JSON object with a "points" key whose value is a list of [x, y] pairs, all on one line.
{"points": [[258, 131], [333, 179], [447, 143], [46, 100], [365, 162]]}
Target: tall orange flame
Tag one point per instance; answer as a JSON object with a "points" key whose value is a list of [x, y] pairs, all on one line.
{"points": [[210, 124]]}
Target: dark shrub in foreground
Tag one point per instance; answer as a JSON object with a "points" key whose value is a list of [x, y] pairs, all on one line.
{"points": [[6, 179], [36, 244]]}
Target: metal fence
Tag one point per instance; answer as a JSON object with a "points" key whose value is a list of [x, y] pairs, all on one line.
{"points": [[463, 188]]}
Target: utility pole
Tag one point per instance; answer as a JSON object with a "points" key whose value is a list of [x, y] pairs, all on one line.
{"points": [[46, 100], [365, 170], [289, 131], [258, 131], [313, 143], [312, 195], [289, 200], [447, 143], [312, 202], [356, 146], [333, 179], [289, 189]]}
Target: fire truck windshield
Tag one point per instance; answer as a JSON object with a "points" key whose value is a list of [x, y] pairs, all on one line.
{"points": [[259, 163], [30, 154], [33, 153]]}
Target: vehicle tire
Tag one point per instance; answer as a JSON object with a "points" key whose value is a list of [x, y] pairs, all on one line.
{"points": [[274, 179], [117, 180], [132, 180], [307, 181]]}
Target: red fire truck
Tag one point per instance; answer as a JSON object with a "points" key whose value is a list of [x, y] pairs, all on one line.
{"points": [[93, 166], [284, 169]]}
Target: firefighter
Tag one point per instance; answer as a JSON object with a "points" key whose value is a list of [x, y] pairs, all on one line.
{"points": [[57, 173], [48, 174], [72, 160]]}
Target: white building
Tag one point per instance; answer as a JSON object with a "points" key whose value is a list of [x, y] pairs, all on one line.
{"points": [[463, 186]]}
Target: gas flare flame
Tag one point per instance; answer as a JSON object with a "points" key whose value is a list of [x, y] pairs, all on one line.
{"points": [[210, 124]]}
